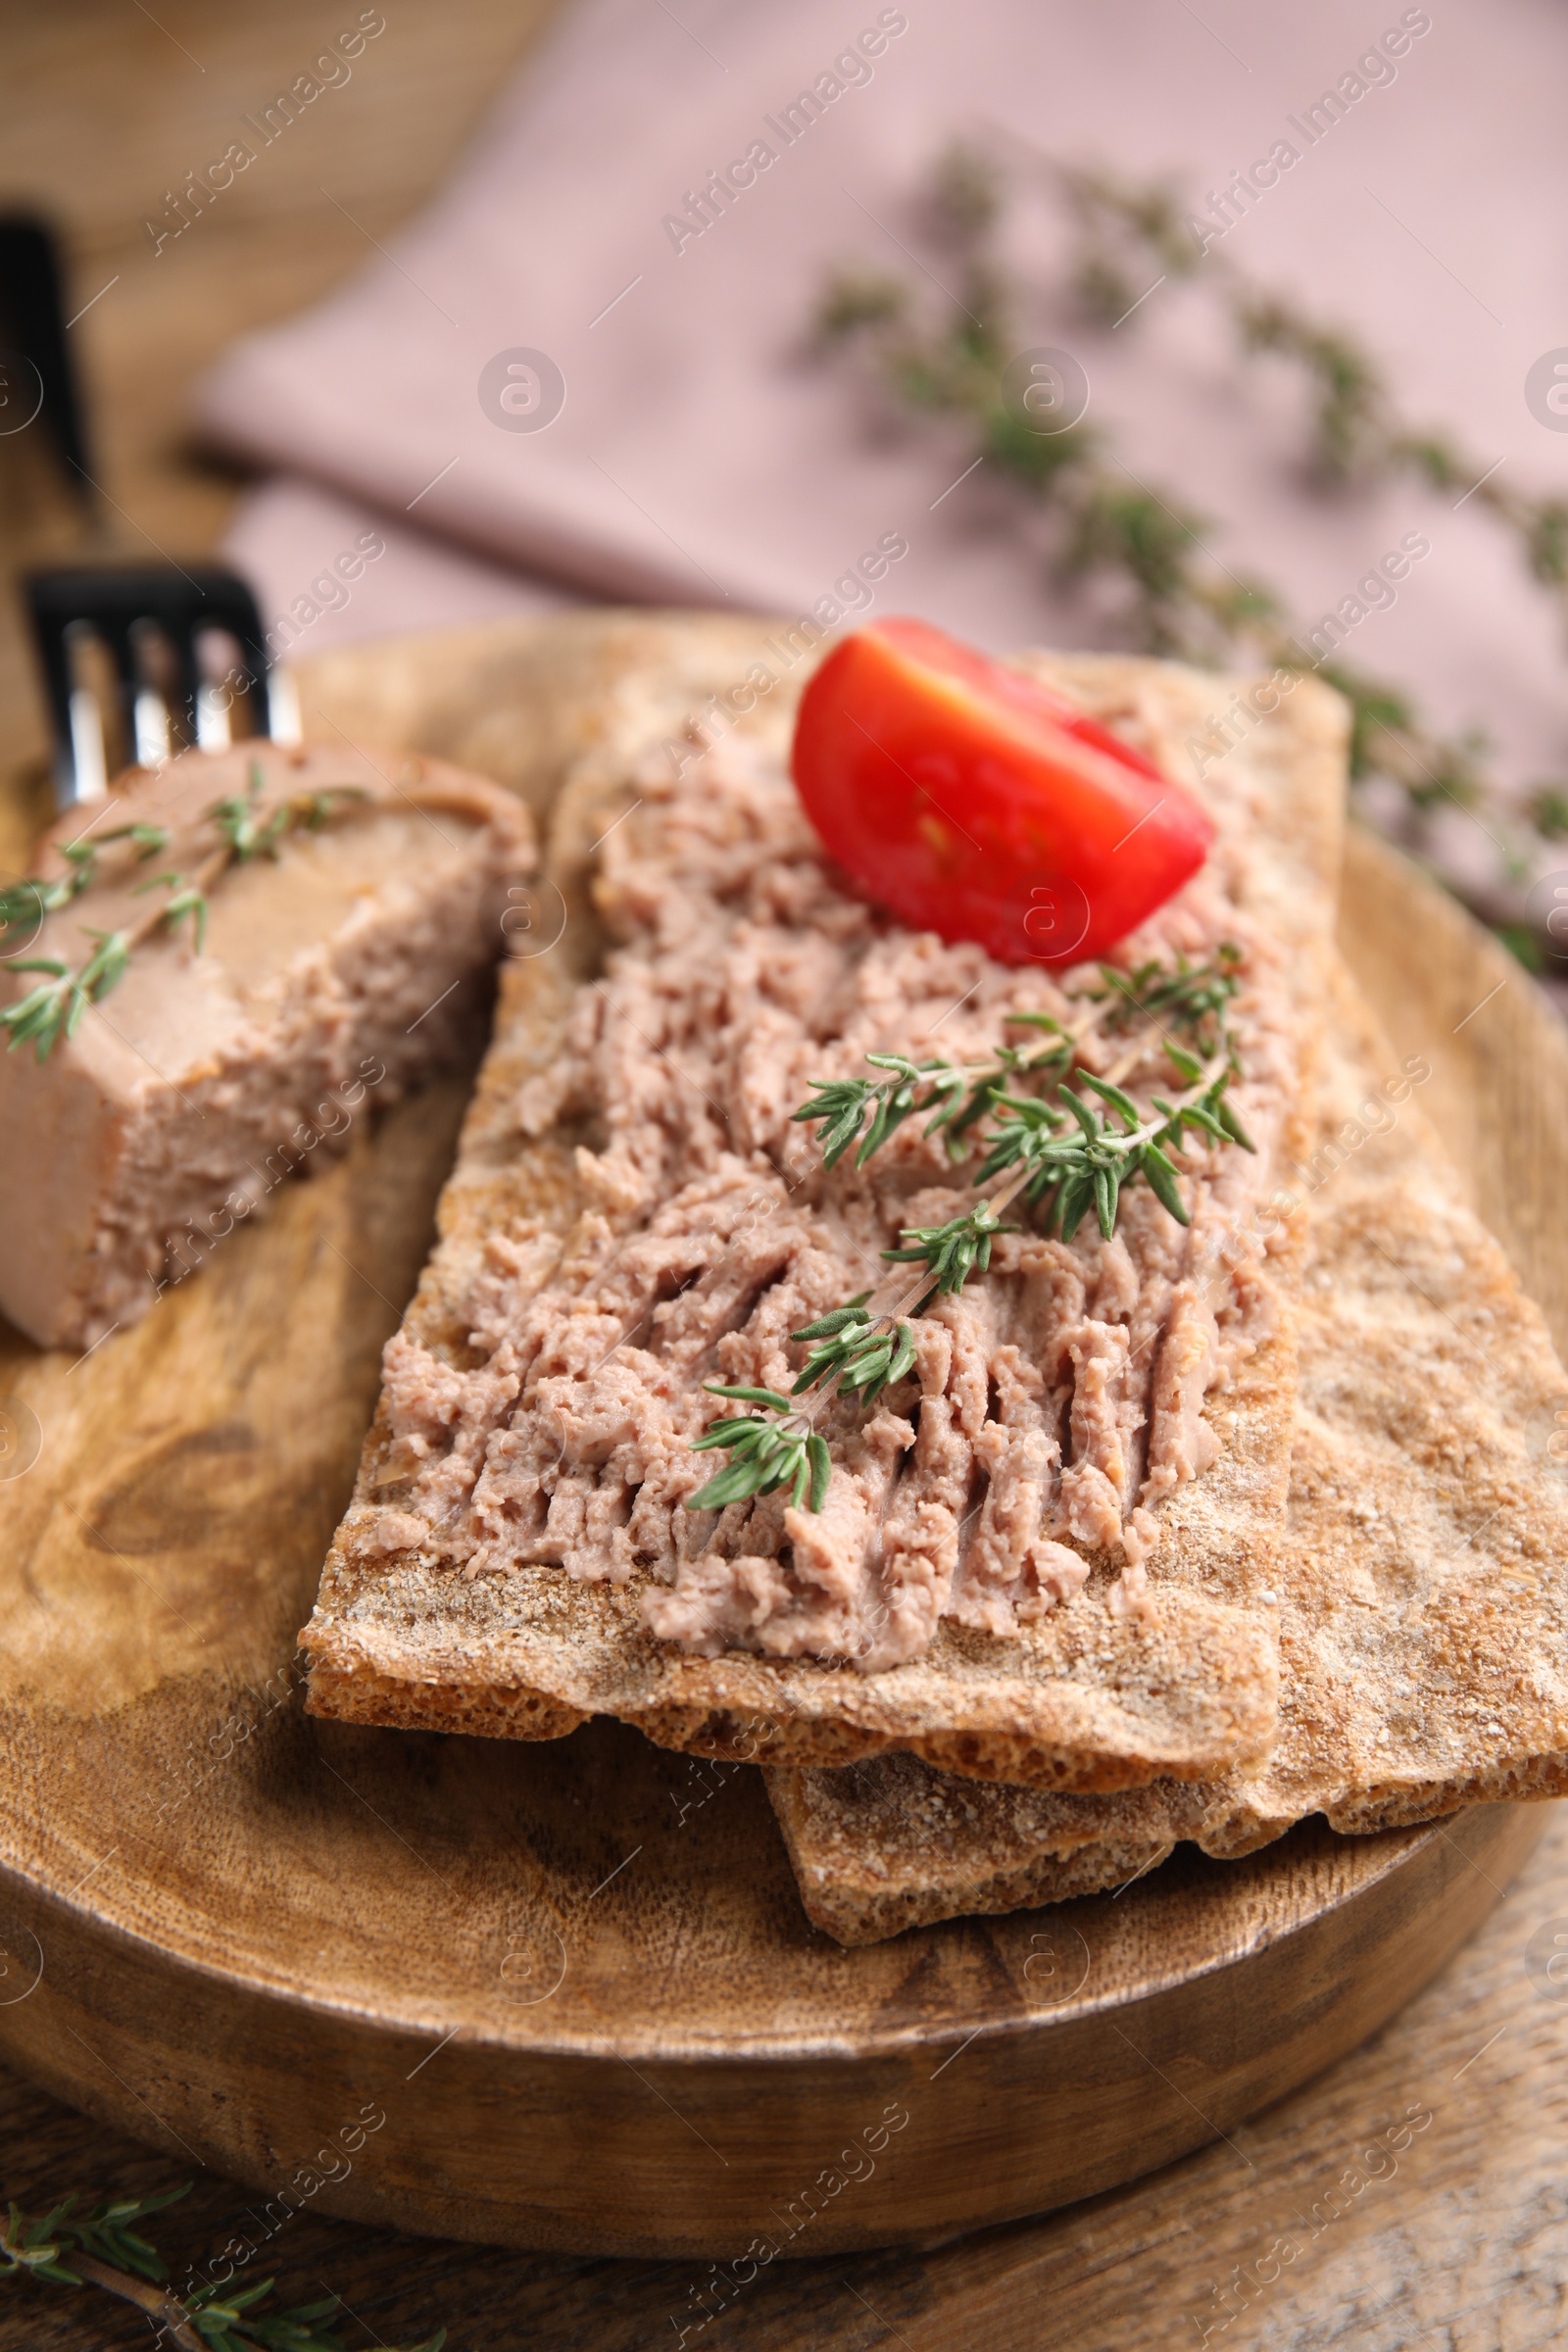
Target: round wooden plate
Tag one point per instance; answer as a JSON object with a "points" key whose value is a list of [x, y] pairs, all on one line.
{"points": [[563, 1995]]}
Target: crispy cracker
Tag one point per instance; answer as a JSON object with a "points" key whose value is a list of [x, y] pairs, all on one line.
{"points": [[1082, 1698], [1423, 1608]]}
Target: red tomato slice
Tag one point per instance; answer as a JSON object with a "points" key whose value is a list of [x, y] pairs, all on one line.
{"points": [[975, 804]]}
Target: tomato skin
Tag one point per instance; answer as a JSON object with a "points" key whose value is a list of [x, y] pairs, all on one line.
{"points": [[971, 802]]}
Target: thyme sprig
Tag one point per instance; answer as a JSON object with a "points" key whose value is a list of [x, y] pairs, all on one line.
{"points": [[55, 1006], [101, 2248], [864, 1112], [28, 901], [1058, 1147], [957, 1095], [852, 1354], [1190, 997], [853, 1357], [41, 2244], [953, 1251], [250, 834], [763, 1454], [1091, 1168]]}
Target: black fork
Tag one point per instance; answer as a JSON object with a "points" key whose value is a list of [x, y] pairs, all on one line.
{"points": [[184, 650], [138, 661]]}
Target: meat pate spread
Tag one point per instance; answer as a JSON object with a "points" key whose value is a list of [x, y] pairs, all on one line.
{"points": [[1052, 1405], [264, 993]]}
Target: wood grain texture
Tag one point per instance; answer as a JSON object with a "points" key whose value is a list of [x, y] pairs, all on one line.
{"points": [[1463, 2247], [579, 1966]]}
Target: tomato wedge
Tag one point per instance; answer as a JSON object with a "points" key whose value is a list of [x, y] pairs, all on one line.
{"points": [[973, 803]]}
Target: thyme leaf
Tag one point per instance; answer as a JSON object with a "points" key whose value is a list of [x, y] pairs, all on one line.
{"points": [[763, 1454], [1193, 997], [186, 900], [953, 1252], [146, 840], [854, 1354], [1088, 1169], [56, 1005]]}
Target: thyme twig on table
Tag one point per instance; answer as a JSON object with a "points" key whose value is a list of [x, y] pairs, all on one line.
{"points": [[101, 2248], [1053, 1147], [55, 1006]]}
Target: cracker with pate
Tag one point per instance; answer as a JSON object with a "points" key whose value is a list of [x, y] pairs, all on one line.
{"points": [[1041, 1558]]}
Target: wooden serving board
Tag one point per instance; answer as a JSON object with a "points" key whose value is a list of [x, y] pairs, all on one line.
{"points": [[563, 1995]]}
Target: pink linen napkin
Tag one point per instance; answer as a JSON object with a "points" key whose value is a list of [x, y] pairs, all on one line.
{"points": [[696, 452]]}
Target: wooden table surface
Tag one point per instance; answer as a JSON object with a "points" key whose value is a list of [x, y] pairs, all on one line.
{"points": [[1286, 2234]]}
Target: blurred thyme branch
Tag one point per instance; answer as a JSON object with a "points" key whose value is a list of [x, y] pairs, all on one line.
{"points": [[1358, 434], [1143, 542]]}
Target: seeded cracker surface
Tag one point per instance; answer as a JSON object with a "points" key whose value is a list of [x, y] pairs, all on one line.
{"points": [[585, 1285], [1423, 1608]]}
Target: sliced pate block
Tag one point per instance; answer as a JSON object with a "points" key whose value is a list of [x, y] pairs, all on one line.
{"points": [[1041, 1557], [1423, 1584], [310, 931]]}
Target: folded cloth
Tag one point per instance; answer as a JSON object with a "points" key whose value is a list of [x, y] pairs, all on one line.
{"points": [[297, 540], [673, 436]]}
